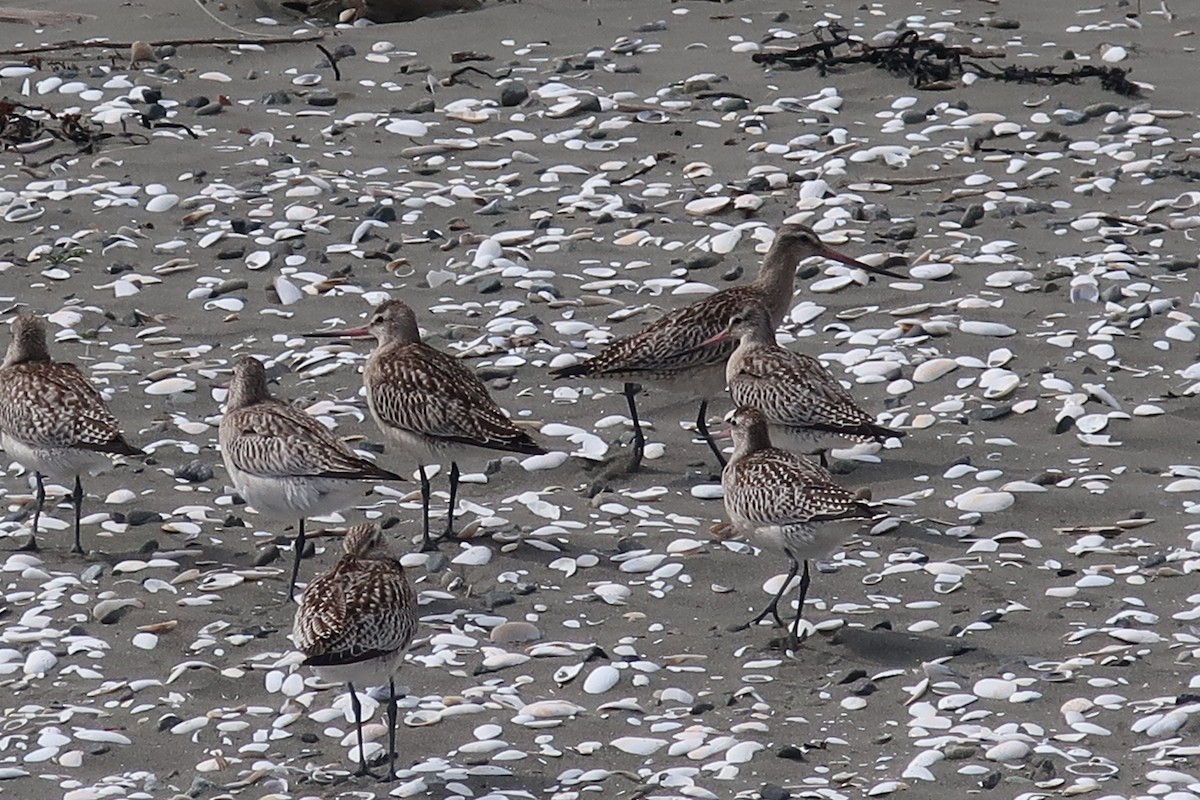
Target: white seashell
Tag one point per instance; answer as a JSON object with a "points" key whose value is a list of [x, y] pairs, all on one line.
{"points": [[934, 368], [983, 500], [120, 497], [704, 206], [931, 272], [981, 328], [145, 641], [1011, 750], [994, 688], [407, 127], [258, 259], [38, 663], [475, 556], [288, 292], [615, 594], [161, 203], [638, 745], [601, 679], [641, 564]]}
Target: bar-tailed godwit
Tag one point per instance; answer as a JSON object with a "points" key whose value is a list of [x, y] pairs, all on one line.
{"points": [[783, 501], [801, 400], [428, 404], [355, 622], [52, 420], [674, 350], [282, 461]]}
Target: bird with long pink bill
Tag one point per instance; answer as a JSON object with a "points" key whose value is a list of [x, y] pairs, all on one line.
{"points": [[675, 351], [428, 404], [800, 399]]}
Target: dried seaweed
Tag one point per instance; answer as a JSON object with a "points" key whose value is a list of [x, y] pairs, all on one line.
{"points": [[932, 65]]}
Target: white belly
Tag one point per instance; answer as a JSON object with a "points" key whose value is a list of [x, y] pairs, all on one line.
{"points": [[54, 462], [292, 498], [363, 674]]}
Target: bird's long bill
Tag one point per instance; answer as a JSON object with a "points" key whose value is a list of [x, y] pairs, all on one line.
{"points": [[723, 336], [724, 435], [834, 255], [345, 333]]}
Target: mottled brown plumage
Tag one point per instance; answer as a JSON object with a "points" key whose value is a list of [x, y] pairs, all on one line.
{"points": [[356, 621], [52, 420], [282, 461], [677, 349], [799, 397], [427, 403], [784, 502]]}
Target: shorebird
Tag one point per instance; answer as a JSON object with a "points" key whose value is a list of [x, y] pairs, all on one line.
{"points": [[428, 404], [675, 351], [282, 461], [801, 400], [355, 623], [783, 501], [52, 420]]}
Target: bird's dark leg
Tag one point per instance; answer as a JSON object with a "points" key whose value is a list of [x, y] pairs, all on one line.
{"points": [[40, 494], [356, 705], [298, 546], [392, 712], [702, 426], [773, 608], [639, 438], [77, 501], [805, 580], [453, 499], [427, 544]]}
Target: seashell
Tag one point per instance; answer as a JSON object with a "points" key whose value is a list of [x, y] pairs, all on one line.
{"points": [[638, 745], [38, 663], [1010, 750], [934, 368], [706, 205], [981, 328], [601, 679], [994, 688]]}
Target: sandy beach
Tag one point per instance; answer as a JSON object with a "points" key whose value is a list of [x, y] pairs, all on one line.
{"points": [[534, 179]]}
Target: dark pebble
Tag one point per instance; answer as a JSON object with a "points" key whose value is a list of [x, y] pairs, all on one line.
{"points": [[344, 51], [808, 273], [972, 215], [154, 111], [770, 791], [279, 97], [309, 738], [382, 213], [322, 99], [118, 267], [513, 94], [1000, 23], [1069, 116], [209, 110], [268, 555], [140, 516], [991, 780], [863, 687], [900, 233], [151, 96], [524, 588], [913, 116], [701, 708], [422, 106], [1100, 109], [195, 471], [733, 273], [492, 372], [994, 412], [1180, 264], [958, 752], [490, 286], [497, 599], [231, 253], [790, 752], [703, 261]]}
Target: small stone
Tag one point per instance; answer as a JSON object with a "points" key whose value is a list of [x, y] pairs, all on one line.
{"points": [[195, 471], [513, 94]]}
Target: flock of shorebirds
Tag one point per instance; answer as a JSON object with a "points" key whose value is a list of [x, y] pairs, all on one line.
{"points": [[355, 621]]}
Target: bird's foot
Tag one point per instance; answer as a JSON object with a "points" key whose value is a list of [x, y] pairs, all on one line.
{"points": [[29, 547]]}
